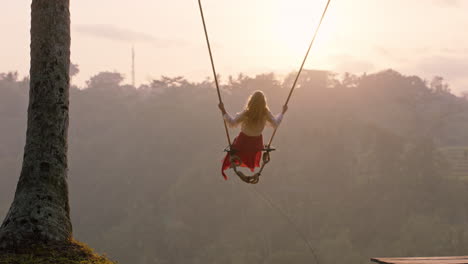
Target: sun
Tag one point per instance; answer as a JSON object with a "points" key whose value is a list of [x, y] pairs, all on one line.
{"points": [[293, 24]]}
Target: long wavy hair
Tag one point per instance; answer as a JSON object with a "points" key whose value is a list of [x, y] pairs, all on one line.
{"points": [[256, 109]]}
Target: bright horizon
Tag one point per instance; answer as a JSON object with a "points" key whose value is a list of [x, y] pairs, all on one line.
{"points": [[424, 38]]}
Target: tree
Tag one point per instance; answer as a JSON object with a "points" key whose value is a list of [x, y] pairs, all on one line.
{"points": [[40, 211], [439, 86], [464, 95], [74, 69], [105, 80], [11, 76]]}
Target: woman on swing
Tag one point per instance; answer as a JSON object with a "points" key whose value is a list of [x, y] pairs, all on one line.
{"points": [[248, 145]]}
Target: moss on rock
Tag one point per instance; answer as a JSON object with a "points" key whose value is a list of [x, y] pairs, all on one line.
{"points": [[73, 252]]}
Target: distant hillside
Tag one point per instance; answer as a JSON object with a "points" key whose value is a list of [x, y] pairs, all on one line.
{"points": [[358, 168], [458, 160]]}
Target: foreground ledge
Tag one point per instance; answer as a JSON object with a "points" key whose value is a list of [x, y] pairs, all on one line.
{"points": [[423, 260], [71, 252]]}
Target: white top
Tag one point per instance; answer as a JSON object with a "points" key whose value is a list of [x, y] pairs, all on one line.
{"points": [[257, 130]]}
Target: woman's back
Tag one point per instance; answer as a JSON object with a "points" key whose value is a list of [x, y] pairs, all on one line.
{"points": [[248, 144], [253, 128], [255, 115]]}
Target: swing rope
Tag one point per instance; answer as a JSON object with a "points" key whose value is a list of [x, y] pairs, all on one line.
{"points": [[276, 207], [214, 70], [296, 79], [266, 156], [302, 66]]}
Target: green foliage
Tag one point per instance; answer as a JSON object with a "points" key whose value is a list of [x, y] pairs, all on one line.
{"points": [[72, 253], [357, 168]]}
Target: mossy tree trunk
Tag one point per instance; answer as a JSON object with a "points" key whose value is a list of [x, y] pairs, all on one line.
{"points": [[40, 211]]}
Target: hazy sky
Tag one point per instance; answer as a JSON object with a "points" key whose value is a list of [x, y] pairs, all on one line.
{"points": [[422, 37]]}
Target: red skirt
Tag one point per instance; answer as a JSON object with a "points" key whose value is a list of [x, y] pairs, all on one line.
{"points": [[248, 149]]}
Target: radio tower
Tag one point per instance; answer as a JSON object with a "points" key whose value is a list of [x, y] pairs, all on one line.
{"points": [[133, 66]]}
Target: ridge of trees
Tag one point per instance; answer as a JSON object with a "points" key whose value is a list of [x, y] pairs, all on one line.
{"points": [[358, 168]]}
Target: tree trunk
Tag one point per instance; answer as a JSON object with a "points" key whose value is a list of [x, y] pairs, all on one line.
{"points": [[40, 211]]}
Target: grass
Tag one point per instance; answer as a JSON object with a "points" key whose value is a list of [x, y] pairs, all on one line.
{"points": [[73, 252]]}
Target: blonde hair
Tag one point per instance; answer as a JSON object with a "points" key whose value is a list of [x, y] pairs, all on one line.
{"points": [[256, 109]]}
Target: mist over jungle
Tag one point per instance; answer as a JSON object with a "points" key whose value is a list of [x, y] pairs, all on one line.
{"points": [[361, 167]]}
